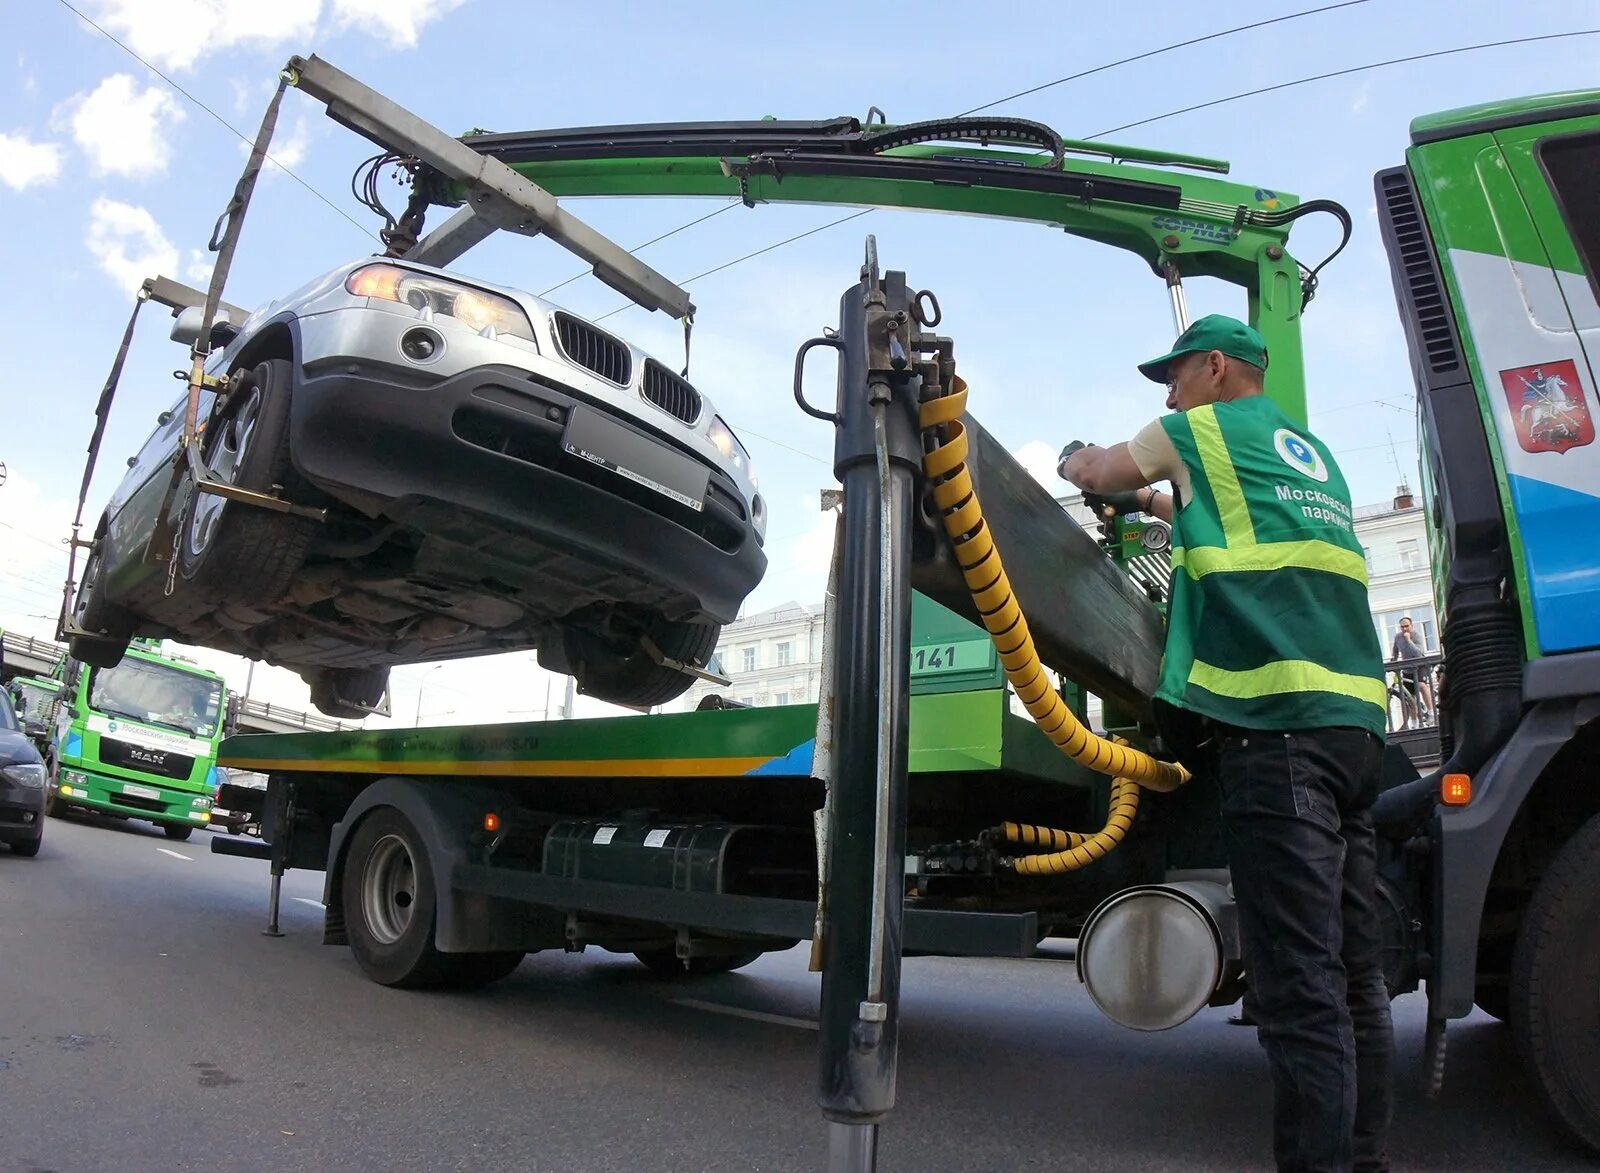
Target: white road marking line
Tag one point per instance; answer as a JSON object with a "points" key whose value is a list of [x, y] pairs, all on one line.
{"points": [[175, 854], [308, 900], [738, 1012]]}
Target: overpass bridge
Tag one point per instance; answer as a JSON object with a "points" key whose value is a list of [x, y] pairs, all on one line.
{"points": [[27, 656]]}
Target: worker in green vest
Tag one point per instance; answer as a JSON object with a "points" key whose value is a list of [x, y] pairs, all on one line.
{"points": [[1272, 686]]}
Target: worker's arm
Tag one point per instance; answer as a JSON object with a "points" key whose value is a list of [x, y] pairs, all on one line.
{"points": [[1112, 476]]}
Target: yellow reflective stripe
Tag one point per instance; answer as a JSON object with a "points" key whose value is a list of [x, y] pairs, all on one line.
{"points": [[1307, 555], [1285, 676], [1231, 510]]}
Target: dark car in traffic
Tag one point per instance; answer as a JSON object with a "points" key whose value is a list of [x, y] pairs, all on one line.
{"points": [[22, 786]]}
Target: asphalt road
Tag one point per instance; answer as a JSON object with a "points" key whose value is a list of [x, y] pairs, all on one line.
{"points": [[145, 1023]]}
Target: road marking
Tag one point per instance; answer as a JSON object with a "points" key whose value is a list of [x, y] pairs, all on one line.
{"points": [[308, 900], [739, 1012], [175, 854]]}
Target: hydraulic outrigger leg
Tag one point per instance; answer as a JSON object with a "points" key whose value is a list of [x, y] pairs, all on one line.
{"points": [[877, 455]]}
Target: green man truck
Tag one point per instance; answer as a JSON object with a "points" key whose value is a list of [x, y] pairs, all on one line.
{"points": [[912, 809], [139, 740]]}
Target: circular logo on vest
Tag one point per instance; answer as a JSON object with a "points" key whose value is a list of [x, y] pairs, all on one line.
{"points": [[1299, 455]]}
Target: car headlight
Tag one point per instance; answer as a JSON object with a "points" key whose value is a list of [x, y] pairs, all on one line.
{"points": [[27, 774], [728, 444], [477, 309]]}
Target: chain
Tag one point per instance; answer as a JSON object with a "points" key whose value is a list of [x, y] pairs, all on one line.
{"points": [[172, 560]]}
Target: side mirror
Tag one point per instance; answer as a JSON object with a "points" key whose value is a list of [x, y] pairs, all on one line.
{"points": [[186, 327]]}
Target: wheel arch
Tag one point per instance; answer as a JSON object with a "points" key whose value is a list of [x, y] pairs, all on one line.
{"points": [[1501, 842], [445, 817]]}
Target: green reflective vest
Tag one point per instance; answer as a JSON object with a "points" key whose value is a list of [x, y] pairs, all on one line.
{"points": [[1268, 625]]}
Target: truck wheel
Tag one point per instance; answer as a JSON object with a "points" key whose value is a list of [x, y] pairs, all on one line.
{"points": [[1555, 1013], [92, 611], [666, 963], [176, 833], [390, 906], [635, 679], [347, 693], [249, 553]]}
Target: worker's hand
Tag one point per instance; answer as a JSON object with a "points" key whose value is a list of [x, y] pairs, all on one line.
{"points": [[1066, 456], [1127, 501]]}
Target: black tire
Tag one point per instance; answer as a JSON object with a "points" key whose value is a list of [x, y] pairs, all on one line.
{"points": [[393, 938], [347, 694], [55, 806], [471, 971], [176, 833], [666, 963], [635, 679], [92, 611], [28, 848], [1555, 1015], [244, 552]]}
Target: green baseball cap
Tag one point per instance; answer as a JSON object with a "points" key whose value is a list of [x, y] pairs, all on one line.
{"points": [[1212, 332]]}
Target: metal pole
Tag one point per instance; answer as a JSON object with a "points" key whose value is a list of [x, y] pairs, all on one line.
{"points": [[876, 455], [1180, 302], [273, 891]]}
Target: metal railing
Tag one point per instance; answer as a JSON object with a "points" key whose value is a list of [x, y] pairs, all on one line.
{"points": [[1413, 692]]}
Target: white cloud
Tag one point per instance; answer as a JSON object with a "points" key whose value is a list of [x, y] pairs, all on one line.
{"points": [[288, 149], [128, 243], [24, 162], [197, 269], [175, 34], [397, 21], [122, 128], [1040, 460], [1363, 97], [32, 526]]}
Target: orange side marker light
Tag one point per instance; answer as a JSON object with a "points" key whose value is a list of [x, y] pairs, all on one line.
{"points": [[491, 822], [1455, 789]]}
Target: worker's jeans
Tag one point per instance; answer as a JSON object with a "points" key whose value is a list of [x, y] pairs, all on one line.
{"points": [[1296, 814]]}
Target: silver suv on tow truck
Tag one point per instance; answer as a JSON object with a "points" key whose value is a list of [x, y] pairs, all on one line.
{"points": [[496, 473]]}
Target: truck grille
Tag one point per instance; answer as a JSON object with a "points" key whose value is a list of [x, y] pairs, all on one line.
{"points": [[670, 392], [1418, 273], [594, 349], [160, 762]]}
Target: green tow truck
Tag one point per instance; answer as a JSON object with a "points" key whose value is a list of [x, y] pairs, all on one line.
{"points": [[696, 841], [138, 741]]}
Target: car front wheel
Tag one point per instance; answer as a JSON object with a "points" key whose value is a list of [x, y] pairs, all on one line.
{"points": [[247, 553], [635, 679]]}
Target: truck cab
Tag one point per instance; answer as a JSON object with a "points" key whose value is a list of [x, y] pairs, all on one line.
{"points": [[138, 740], [1492, 227]]}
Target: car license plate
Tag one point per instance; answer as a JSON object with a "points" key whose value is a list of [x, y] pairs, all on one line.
{"points": [[629, 454], [137, 791]]}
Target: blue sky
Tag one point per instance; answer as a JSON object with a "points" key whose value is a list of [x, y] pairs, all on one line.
{"points": [[105, 171]]}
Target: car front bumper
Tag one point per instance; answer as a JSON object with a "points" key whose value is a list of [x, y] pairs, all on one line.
{"points": [[100, 792], [486, 453], [21, 812]]}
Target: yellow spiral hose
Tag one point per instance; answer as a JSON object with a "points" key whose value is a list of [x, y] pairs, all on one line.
{"points": [[944, 464]]}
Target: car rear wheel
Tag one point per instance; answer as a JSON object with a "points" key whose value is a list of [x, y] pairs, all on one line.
{"points": [[249, 553], [1555, 976], [93, 612], [635, 679], [347, 693]]}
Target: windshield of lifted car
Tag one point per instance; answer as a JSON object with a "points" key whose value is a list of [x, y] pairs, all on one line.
{"points": [[142, 691]]}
